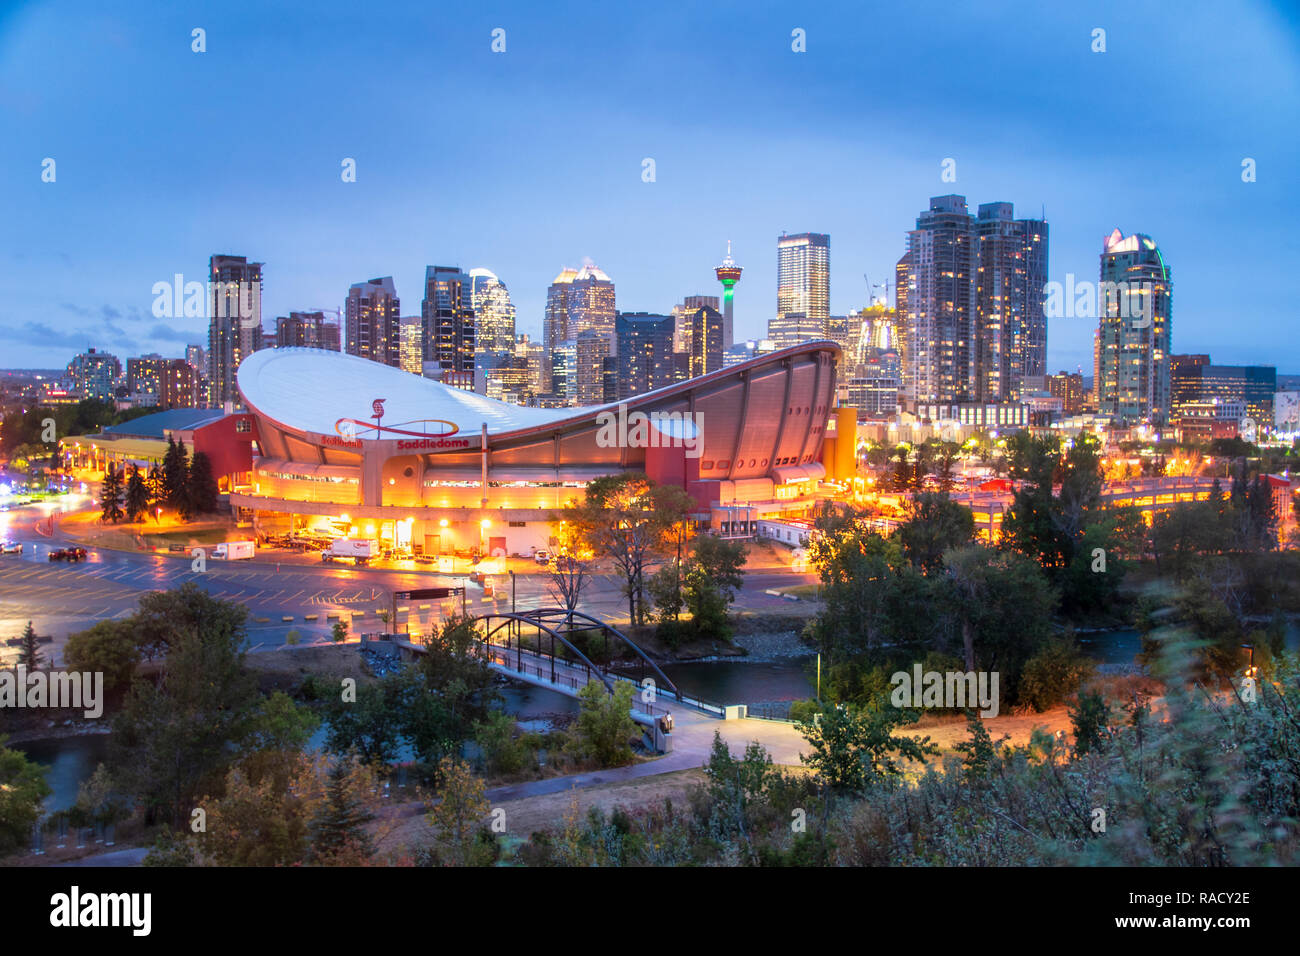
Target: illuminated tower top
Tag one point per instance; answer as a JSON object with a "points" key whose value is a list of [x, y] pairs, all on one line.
{"points": [[728, 273]]}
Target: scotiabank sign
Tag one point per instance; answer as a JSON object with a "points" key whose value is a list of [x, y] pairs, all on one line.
{"points": [[337, 441]]}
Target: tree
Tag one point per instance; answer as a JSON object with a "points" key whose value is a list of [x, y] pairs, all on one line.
{"points": [[460, 677], [175, 739], [627, 518], [110, 496], [22, 792], [604, 725], [137, 496], [711, 581], [339, 826], [854, 747], [996, 606], [935, 523], [108, 647], [460, 810], [175, 474], [201, 486], [29, 655], [338, 632], [569, 572]]}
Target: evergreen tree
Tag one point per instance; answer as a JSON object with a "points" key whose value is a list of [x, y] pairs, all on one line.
{"points": [[201, 487], [30, 655], [340, 824], [110, 496], [137, 496], [157, 486], [175, 473]]}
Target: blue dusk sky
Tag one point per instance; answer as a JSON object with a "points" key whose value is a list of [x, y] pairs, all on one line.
{"points": [[530, 160]]}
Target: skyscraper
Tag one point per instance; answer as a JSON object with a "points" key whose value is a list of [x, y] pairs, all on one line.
{"points": [[591, 304], [939, 290], [449, 329], [1011, 321], [1131, 363], [971, 303], [729, 274], [803, 288], [412, 344], [555, 326], [645, 352], [372, 321], [707, 327], [234, 322], [494, 314]]}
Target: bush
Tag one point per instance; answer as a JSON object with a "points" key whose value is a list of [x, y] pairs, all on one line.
{"points": [[293, 637], [1054, 672]]}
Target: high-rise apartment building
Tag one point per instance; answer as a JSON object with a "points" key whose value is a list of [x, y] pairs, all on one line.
{"points": [[450, 332], [803, 288], [494, 313], [94, 374], [171, 382], [234, 322], [971, 303], [645, 351], [1131, 362], [1011, 319], [1068, 387], [372, 321], [412, 344], [310, 330]]}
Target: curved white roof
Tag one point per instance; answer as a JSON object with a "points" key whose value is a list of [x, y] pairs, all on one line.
{"points": [[313, 390]]}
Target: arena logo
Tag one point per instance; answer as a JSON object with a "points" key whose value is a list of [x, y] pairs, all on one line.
{"points": [[656, 430], [433, 443]]}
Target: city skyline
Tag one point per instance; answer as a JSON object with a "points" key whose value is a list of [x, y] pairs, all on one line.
{"points": [[526, 216]]}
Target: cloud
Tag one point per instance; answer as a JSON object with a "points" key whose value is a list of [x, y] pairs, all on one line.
{"points": [[167, 333]]}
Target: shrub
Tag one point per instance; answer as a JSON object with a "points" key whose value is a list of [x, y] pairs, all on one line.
{"points": [[1054, 672]]}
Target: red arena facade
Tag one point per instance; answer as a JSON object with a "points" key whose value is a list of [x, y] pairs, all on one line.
{"points": [[367, 449]]}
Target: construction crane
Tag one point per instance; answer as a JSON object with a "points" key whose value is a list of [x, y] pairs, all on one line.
{"points": [[338, 320]]}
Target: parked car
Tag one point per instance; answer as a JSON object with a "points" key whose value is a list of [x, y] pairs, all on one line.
{"points": [[11, 547], [542, 557], [68, 554]]}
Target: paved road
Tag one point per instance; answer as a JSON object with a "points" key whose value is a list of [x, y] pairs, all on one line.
{"points": [[62, 598]]}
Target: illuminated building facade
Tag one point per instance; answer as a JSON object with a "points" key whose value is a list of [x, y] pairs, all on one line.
{"points": [[234, 322], [372, 317], [449, 330], [1131, 360], [803, 288], [445, 470]]}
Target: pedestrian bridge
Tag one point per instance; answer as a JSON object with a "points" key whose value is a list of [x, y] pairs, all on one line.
{"points": [[564, 651]]}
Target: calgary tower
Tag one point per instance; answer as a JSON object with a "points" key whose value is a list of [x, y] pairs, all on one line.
{"points": [[728, 274]]}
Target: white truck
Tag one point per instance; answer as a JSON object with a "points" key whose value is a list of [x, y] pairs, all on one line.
{"points": [[234, 550], [360, 551]]}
